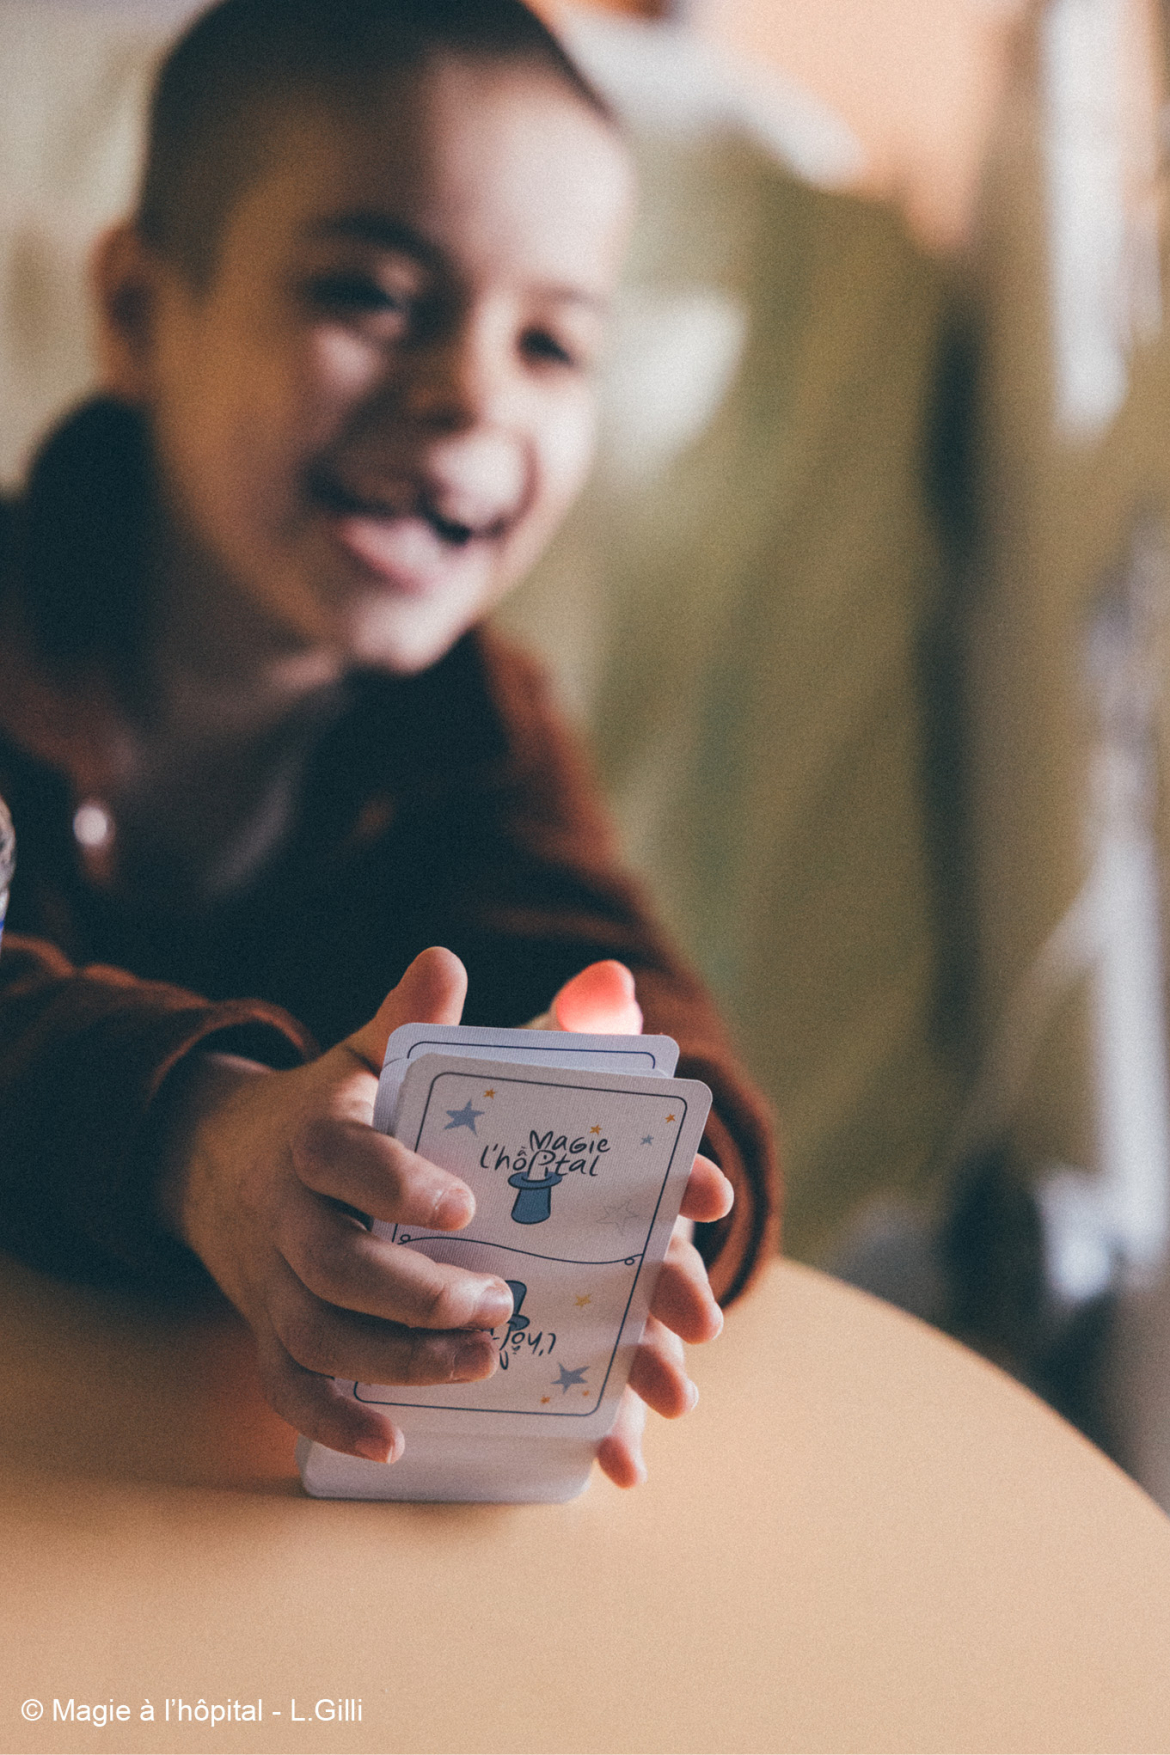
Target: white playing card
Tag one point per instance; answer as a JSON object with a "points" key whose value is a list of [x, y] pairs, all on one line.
{"points": [[630, 1054], [578, 1176]]}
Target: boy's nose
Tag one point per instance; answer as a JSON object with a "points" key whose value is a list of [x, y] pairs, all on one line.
{"points": [[471, 473], [455, 381], [477, 476], [448, 408]]}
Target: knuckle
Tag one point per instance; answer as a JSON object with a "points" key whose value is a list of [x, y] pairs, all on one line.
{"points": [[317, 1420], [385, 1170], [397, 1160], [315, 1142], [325, 1258], [400, 1364], [295, 1398], [303, 1334], [439, 1304], [424, 1190], [420, 1361]]}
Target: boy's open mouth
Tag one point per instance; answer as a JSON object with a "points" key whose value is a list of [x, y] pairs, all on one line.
{"points": [[403, 538], [412, 504]]}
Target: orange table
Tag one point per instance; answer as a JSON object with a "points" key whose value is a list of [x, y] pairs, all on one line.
{"points": [[864, 1539]]}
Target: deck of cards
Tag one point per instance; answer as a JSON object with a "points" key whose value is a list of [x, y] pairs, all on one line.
{"points": [[578, 1149]]}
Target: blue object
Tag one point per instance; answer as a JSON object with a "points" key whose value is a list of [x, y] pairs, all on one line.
{"points": [[516, 1323], [533, 1204]]}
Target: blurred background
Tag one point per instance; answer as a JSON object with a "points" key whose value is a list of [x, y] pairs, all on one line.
{"points": [[863, 612]]}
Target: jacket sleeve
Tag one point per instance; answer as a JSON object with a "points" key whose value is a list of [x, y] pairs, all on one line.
{"points": [[546, 895], [82, 1054]]}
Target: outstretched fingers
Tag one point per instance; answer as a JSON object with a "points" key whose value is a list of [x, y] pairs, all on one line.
{"points": [[620, 1452], [709, 1195], [683, 1299], [341, 1262], [325, 1337], [659, 1372], [658, 1380], [314, 1405], [347, 1161]]}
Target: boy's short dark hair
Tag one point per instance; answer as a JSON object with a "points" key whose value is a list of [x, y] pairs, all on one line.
{"points": [[211, 118]]}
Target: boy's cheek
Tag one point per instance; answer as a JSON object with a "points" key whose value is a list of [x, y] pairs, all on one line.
{"points": [[566, 455], [573, 441]]}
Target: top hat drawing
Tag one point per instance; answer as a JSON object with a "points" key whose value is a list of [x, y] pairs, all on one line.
{"points": [[516, 1323], [533, 1203]]}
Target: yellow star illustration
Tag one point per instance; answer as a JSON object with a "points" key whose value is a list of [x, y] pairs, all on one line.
{"points": [[585, 1393], [489, 1093], [546, 1398], [585, 1298], [670, 1118], [595, 1130]]}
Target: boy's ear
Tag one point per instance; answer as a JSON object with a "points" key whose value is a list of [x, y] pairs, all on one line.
{"points": [[124, 275]]}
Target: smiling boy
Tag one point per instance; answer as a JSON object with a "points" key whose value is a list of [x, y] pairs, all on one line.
{"points": [[348, 346]]}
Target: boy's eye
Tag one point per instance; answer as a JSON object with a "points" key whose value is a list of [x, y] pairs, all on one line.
{"points": [[355, 295], [544, 347]]}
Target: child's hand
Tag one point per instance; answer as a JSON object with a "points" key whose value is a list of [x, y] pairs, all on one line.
{"points": [[601, 999], [265, 1170]]}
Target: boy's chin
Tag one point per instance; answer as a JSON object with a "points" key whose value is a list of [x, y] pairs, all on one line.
{"points": [[402, 639]]}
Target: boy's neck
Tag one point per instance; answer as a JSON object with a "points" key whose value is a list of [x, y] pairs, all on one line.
{"points": [[221, 669]]}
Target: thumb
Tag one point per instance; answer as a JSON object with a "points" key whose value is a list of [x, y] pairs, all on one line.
{"points": [[599, 1000], [432, 991]]}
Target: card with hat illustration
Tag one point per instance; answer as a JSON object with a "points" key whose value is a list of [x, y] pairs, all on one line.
{"points": [[578, 1173]]}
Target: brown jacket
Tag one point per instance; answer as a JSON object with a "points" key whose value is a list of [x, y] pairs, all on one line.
{"points": [[450, 808]]}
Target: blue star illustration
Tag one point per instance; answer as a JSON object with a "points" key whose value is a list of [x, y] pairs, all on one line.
{"points": [[465, 1117], [647, 1139], [567, 1379]]}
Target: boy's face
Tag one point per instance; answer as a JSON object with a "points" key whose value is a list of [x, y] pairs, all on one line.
{"points": [[372, 419]]}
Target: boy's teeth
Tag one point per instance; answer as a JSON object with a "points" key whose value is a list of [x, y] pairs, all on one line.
{"points": [[450, 530], [446, 529]]}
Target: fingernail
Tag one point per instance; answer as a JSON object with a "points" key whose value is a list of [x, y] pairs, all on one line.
{"points": [[692, 1397], [473, 1359], [495, 1305], [453, 1209], [375, 1450]]}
